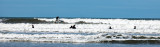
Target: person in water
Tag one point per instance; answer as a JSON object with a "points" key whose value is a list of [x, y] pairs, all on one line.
{"points": [[134, 27], [32, 26], [57, 18], [110, 27], [73, 27]]}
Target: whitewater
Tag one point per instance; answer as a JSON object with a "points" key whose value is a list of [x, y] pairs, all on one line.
{"points": [[87, 30]]}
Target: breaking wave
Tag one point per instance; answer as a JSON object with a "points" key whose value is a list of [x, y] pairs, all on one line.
{"points": [[87, 30]]}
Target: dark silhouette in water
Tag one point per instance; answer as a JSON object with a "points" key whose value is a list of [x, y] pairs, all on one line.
{"points": [[73, 27], [134, 27], [110, 27], [32, 26], [57, 18]]}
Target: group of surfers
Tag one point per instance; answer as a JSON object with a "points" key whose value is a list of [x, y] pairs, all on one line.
{"points": [[74, 26]]}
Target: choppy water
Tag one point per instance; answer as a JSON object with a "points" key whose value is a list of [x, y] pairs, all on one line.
{"points": [[88, 33]]}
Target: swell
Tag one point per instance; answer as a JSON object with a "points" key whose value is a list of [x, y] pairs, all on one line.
{"points": [[39, 21], [22, 20], [74, 20]]}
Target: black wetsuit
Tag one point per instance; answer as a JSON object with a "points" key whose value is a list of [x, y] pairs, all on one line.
{"points": [[73, 27], [57, 18], [134, 27], [110, 27], [32, 26]]}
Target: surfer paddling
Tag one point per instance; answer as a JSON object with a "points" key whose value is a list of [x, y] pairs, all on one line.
{"points": [[73, 27]]}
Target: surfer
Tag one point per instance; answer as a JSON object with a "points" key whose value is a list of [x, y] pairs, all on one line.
{"points": [[57, 18], [32, 26], [110, 27], [73, 27], [134, 27]]}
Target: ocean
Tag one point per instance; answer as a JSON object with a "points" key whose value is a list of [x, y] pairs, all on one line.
{"points": [[89, 32]]}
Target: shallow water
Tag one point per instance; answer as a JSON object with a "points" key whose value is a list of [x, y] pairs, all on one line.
{"points": [[38, 44]]}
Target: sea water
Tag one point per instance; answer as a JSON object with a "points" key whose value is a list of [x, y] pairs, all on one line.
{"points": [[38, 44], [89, 32]]}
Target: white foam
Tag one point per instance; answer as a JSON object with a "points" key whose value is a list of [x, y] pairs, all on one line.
{"points": [[62, 38], [90, 28], [51, 37], [118, 25], [110, 21]]}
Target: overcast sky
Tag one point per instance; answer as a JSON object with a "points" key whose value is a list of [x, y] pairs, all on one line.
{"points": [[81, 8]]}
